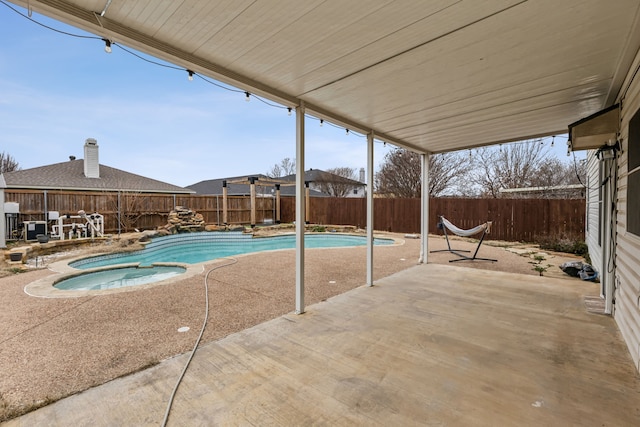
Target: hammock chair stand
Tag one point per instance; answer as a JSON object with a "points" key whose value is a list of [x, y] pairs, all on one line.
{"points": [[483, 228]]}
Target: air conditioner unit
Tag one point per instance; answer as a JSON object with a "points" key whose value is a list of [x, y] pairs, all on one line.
{"points": [[33, 228]]}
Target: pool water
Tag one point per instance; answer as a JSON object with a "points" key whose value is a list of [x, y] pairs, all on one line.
{"points": [[118, 278], [194, 248]]}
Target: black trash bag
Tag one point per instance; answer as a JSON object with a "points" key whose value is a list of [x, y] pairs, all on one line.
{"points": [[572, 268], [588, 273]]}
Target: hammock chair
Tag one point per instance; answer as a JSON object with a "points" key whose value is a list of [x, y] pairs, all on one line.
{"points": [[445, 225]]}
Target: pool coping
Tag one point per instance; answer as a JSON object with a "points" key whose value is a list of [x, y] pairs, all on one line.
{"points": [[44, 288]]}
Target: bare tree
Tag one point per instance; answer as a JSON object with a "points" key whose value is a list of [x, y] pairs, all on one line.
{"points": [[129, 207], [8, 163], [511, 166], [579, 174], [337, 182], [447, 172], [401, 174], [284, 168], [554, 174]]}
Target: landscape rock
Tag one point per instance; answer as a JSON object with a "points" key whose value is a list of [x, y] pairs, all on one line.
{"points": [[184, 220]]}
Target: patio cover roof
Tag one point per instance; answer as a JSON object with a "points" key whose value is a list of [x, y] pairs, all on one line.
{"points": [[434, 76]]}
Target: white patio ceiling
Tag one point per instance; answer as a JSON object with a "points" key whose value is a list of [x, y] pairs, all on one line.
{"points": [[432, 75]]}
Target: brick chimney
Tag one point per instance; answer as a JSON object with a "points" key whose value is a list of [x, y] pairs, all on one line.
{"points": [[91, 164]]}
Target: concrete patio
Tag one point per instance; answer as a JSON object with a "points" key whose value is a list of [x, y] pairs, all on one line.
{"points": [[431, 345]]}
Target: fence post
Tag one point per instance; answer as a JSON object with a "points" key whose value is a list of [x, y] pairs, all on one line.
{"points": [[119, 222]]}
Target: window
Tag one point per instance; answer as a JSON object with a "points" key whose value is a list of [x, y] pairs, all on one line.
{"points": [[633, 180]]}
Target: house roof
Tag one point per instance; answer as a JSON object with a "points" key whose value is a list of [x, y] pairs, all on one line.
{"points": [[433, 76], [70, 176], [318, 175], [234, 188]]}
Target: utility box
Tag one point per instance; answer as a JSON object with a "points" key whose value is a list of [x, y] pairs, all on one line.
{"points": [[11, 207], [33, 228]]}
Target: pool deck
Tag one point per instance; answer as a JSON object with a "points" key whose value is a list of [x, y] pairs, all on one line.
{"points": [[432, 345]]}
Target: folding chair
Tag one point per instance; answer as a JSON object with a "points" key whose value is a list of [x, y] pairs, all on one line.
{"points": [[482, 228]]}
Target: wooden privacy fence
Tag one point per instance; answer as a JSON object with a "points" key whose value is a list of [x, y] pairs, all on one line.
{"points": [[127, 211], [513, 219]]}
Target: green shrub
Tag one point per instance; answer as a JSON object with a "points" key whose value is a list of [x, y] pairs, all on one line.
{"points": [[537, 264], [566, 245]]}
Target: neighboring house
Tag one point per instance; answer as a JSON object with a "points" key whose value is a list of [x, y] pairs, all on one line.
{"points": [[240, 186], [567, 191], [613, 204], [332, 184], [264, 197], [81, 175]]}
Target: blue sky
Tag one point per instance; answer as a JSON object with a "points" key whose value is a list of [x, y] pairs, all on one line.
{"points": [[56, 91]]}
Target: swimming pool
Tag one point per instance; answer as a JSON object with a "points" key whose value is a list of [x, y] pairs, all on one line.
{"points": [[194, 248], [118, 277]]}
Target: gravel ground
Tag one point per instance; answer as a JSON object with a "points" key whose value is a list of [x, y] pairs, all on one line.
{"points": [[51, 348]]}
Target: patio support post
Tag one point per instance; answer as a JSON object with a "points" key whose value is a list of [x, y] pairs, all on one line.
{"points": [[307, 201], [46, 212], [277, 203], [300, 208], [369, 188], [424, 211], [217, 210], [224, 202], [3, 222], [252, 187]]}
